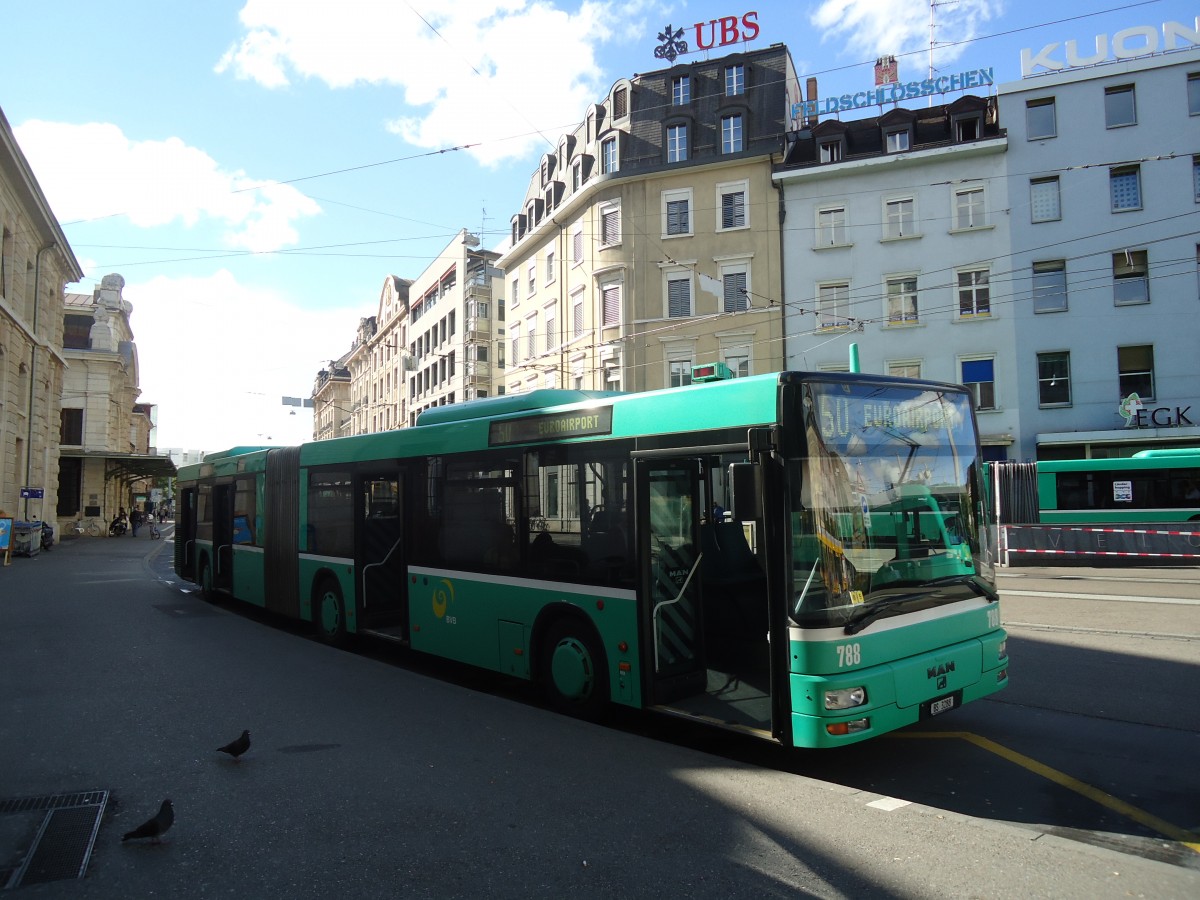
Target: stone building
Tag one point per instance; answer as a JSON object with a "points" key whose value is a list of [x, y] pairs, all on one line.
{"points": [[648, 240], [36, 263], [108, 459]]}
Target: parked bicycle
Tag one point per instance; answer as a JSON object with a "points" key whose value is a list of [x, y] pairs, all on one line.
{"points": [[155, 534], [91, 527]]}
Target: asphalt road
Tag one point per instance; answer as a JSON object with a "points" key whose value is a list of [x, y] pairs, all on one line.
{"points": [[371, 778]]}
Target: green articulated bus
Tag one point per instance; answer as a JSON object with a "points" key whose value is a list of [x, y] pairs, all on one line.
{"points": [[799, 556], [1151, 486]]}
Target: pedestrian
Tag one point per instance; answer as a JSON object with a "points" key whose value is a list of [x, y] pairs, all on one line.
{"points": [[135, 520]]}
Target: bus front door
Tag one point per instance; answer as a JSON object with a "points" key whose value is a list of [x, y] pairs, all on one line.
{"points": [[222, 499], [669, 516], [381, 560]]}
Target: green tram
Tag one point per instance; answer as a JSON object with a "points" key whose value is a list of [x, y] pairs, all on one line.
{"points": [[800, 556], [1158, 486]]}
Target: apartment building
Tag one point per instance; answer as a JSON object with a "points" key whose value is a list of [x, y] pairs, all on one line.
{"points": [[1104, 193], [897, 240], [648, 239]]}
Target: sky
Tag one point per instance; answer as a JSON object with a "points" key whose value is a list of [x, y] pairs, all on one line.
{"points": [[256, 169]]}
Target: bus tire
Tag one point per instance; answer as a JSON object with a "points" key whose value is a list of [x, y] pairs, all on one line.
{"points": [[205, 581], [572, 669], [329, 613]]}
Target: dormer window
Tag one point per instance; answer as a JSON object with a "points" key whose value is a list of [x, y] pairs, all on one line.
{"points": [[898, 140], [967, 129], [832, 150], [620, 103]]}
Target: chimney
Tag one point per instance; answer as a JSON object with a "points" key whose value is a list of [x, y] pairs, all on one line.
{"points": [[811, 97]]}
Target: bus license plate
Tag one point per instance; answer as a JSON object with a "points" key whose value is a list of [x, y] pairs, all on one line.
{"points": [[940, 706]]}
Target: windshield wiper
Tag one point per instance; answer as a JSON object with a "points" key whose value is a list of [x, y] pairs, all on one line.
{"points": [[869, 614], [977, 585]]}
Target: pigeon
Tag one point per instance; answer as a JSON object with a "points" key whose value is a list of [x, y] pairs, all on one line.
{"points": [[238, 746], [155, 827]]}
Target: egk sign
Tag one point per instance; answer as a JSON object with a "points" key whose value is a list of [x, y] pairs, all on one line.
{"points": [[710, 34], [1129, 43]]}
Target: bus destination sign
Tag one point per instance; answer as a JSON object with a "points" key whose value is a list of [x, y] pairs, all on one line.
{"points": [[551, 427]]}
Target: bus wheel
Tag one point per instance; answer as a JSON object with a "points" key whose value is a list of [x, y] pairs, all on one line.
{"points": [[573, 673], [329, 613], [206, 581]]}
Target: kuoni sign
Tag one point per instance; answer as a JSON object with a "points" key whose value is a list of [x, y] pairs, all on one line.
{"points": [[1128, 43]]}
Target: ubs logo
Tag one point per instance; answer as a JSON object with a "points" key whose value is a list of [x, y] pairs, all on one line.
{"points": [[713, 33]]}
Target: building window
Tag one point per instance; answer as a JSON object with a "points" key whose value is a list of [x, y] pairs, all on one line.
{"points": [[1119, 106], [1054, 379], [735, 80], [899, 218], [1050, 286], [978, 376], [1135, 371], [550, 266], [1131, 281], [735, 289], [681, 90], [531, 336], [1044, 199], [680, 372], [967, 129], [551, 320], [1040, 119], [1193, 93], [896, 141], [831, 227], [677, 150], [1125, 188], [833, 305], [679, 295], [731, 134], [531, 277], [831, 151], [515, 294], [610, 225], [732, 201], [608, 156], [577, 314], [677, 218], [610, 298], [514, 334], [77, 332], [902, 300], [738, 360], [577, 245], [620, 103], [906, 368], [1196, 177], [968, 208], [974, 294], [576, 175], [71, 427]]}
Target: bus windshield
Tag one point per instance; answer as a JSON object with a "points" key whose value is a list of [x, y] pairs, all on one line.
{"points": [[884, 502]]}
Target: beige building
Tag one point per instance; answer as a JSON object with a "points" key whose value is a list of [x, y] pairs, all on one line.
{"points": [[649, 240], [36, 263], [108, 458], [432, 341]]}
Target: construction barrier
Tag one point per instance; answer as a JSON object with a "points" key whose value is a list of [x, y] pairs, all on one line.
{"points": [[1025, 543]]}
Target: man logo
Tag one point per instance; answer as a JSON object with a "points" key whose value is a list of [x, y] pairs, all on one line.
{"points": [[941, 669]]}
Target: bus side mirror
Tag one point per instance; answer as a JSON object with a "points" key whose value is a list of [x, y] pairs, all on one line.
{"points": [[743, 482]]}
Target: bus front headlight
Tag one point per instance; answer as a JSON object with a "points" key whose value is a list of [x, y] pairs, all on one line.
{"points": [[845, 698]]}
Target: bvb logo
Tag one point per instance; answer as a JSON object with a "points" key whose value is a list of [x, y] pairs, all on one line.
{"points": [[671, 46], [442, 598]]}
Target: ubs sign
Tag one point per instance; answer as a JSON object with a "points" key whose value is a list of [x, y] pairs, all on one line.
{"points": [[710, 34], [1128, 43]]}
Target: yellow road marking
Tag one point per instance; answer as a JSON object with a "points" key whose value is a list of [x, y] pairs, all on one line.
{"points": [[1128, 810]]}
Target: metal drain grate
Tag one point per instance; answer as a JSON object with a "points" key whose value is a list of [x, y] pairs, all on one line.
{"points": [[63, 844]]}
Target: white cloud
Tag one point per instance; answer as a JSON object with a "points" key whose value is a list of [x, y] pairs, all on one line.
{"points": [[873, 28], [217, 356], [468, 81], [92, 171]]}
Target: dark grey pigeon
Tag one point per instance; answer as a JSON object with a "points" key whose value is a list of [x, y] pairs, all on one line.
{"points": [[238, 746], [154, 828]]}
